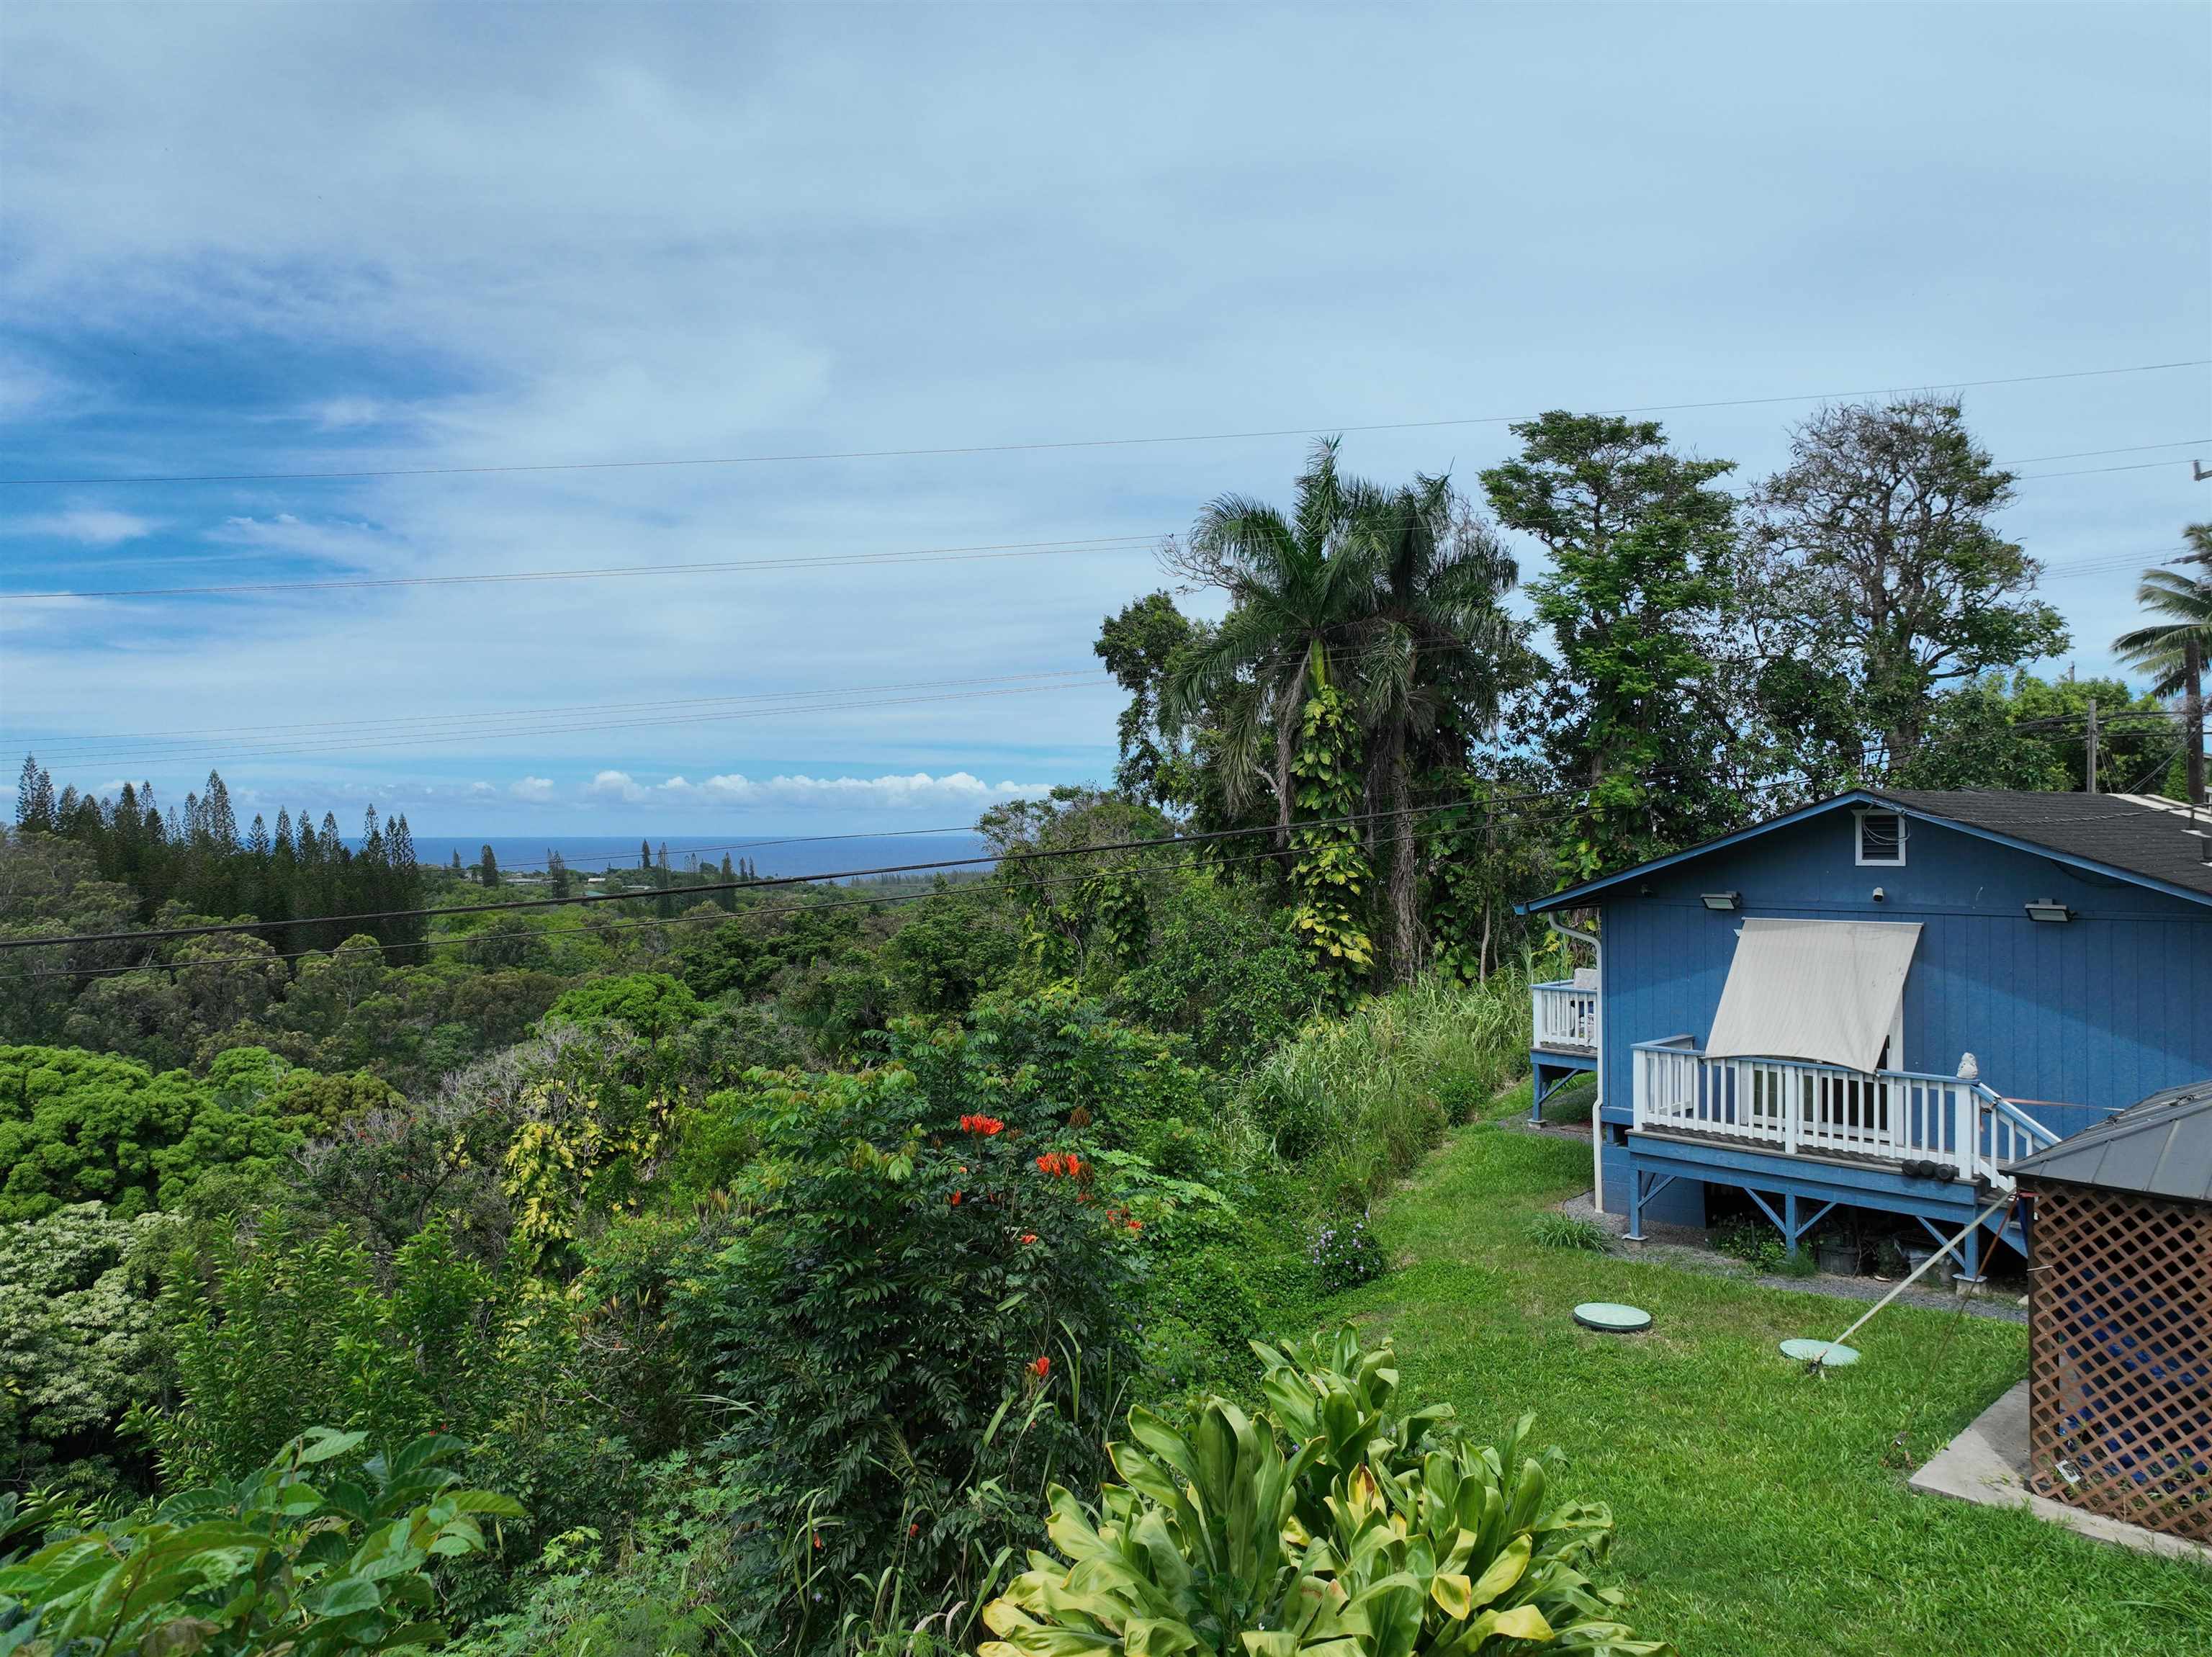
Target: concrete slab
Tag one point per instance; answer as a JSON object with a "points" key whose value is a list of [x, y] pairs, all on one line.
{"points": [[1987, 1465]]}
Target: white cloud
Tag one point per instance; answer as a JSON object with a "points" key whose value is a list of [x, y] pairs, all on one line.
{"points": [[618, 785], [535, 789], [338, 541], [86, 526], [954, 791]]}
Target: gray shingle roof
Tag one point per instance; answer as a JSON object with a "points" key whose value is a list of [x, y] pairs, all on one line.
{"points": [[2159, 1147], [2105, 828]]}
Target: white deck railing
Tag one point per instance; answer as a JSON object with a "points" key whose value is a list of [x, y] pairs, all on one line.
{"points": [[1898, 1115], [1566, 1015]]}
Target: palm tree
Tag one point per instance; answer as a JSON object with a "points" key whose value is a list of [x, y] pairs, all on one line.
{"points": [[1298, 588], [1435, 647], [2175, 649]]}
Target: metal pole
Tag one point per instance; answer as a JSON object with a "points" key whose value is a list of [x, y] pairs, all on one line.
{"points": [[1597, 1105], [2092, 767], [1973, 1225]]}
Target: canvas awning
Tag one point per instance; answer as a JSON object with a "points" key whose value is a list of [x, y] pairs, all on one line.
{"points": [[1823, 990]]}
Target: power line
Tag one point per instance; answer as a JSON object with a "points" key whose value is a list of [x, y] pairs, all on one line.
{"points": [[2093, 454], [2090, 471], [596, 928], [722, 914], [174, 736], [1035, 446], [924, 554], [703, 888], [132, 761]]}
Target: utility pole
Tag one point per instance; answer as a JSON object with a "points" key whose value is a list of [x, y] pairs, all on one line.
{"points": [[2092, 767]]}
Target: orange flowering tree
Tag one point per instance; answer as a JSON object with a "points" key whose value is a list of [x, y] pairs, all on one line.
{"points": [[922, 1321]]}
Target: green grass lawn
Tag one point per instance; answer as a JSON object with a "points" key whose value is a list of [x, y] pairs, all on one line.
{"points": [[1760, 1511]]}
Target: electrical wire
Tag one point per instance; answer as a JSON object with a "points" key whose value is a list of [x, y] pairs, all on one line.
{"points": [[348, 726], [1033, 446], [609, 572], [1099, 679], [704, 889], [719, 915]]}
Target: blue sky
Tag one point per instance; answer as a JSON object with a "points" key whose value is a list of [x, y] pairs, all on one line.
{"points": [[330, 238]]}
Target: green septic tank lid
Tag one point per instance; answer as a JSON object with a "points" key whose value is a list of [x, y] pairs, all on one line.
{"points": [[1614, 1318], [1826, 1354]]}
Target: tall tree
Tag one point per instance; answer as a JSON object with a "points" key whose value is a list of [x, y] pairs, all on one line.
{"points": [[1437, 653], [1298, 588], [1138, 647], [35, 797], [488, 866], [1641, 545], [1877, 563], [2174, 648]]}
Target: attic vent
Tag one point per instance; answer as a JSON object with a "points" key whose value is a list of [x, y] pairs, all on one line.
{"points": [[1882, 839]]}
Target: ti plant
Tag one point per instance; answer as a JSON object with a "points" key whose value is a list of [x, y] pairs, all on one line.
{"points": [[271, 1564], [1330, 1526]]}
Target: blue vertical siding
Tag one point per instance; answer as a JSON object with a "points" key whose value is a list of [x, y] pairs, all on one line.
{"points": [[2083, 1018]]}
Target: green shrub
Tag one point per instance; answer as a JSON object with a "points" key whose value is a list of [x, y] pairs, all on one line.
{"points": [[1329, 1523], [1572, 1231], [1222, 968], [923, 1316], [80, 1343], [268, 1564], [1344, 1252], [78, 1127], [275, 1333], [1755, 1244], [652, 1004]]}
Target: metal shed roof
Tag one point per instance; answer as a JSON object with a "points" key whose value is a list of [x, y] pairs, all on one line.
{"points": [[2159, 1147]]}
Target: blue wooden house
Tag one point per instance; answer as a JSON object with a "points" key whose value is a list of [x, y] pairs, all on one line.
{"points": [[1881, 1000]]}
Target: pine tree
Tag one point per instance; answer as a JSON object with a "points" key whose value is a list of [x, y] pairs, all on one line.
{"points": [[663, 864], [458, 868], [221, 823], [34, 798], [257, 839], [488, 866], [283, 846], [644, 854]]}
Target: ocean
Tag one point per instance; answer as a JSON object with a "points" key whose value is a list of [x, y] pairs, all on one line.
{"points": [[769, 855]]}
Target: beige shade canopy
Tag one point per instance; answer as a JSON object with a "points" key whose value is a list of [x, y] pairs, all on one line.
{"points": [[1823, 990]]}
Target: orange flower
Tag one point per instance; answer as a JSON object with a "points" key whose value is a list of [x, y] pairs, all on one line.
{"points": [[954, 1199], [1040, 1366], [914, 1529], [985, 1125], [1136, 1226], [1028, 1237], [817, 1538]]}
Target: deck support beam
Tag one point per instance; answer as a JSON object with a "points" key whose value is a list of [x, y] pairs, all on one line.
{"points": [[1643, 1185]]}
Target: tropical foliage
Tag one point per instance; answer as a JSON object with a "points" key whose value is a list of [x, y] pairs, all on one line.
{"points": [[266, 1563], [1328, 1522]]}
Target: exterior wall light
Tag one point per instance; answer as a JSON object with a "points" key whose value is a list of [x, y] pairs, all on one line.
{"points": [[2047, 910], [1722, 903]]}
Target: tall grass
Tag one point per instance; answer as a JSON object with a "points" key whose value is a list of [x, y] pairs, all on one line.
{"points": [[1358, 1100]]}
